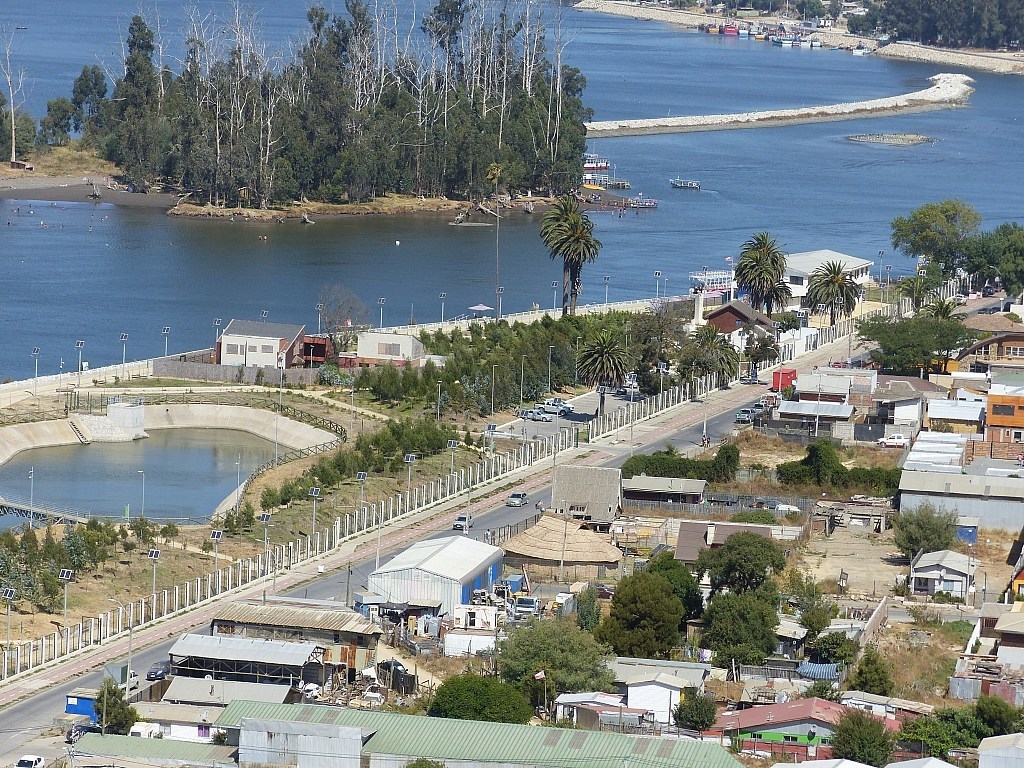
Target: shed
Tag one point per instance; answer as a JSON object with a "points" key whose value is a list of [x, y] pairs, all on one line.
{"points": [[81, 701], [1001, 751], [299, 744], [967, 529], [245, 660], [152, 751], [447, 570], [592, 495], [555, 543], [658, 693], [252, 343], [675, 490], [182, 722], [375, 348], [943, 571], [218, 693]]}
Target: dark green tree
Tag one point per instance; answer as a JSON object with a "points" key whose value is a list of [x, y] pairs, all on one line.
{"points": [[568, 234], [684, 586], [698, 713], [115, 715], [744, 562], [924, 529], [998, 715], [569, 656], [937, 233], [822, 689], [644, 618], [87, 95], [471, 697], [914, 344], [834, 648], [873, 674], [55, 128], [137, 98], [862, 737], [588, 612], [740, 627]]}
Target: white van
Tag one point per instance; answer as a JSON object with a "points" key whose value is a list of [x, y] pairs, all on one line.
{"points": [[146, 731]]}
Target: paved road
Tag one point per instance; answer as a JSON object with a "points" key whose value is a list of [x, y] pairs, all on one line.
{"points": [[682, 427]]}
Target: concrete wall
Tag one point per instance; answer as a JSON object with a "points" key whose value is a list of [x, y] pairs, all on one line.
{"points": [[175, 368], [654, 697], [992, 512], [265, 424], [41, 434]]}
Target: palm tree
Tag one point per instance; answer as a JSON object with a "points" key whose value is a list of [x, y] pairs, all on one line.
{"points": [[760, 272], [941, 309], [568, 234], [831, 285], [710, 352], [915, 289], [494, 176], [604, 361]]}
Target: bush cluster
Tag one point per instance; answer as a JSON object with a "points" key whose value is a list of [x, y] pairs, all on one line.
{"points": [[721, 469], [822, 466]]}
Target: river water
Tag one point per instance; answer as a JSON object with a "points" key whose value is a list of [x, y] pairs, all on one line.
{"points": [[95, 271]]}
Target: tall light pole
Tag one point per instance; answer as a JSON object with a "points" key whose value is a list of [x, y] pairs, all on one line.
{"points": [[442, 296], [494, 373], [131, 627], [8, 595], [166, 331], [439, 401], [657, 282], [238, 480], [888, 278], [124, 352], [410, 459], [314, 493], [35, 380], [522, 379], [154, 556], [881, 257], [263, 315], [320, 307], [554, 295], [452, 445], [607, 279], [501, 290], [381, 301], [66, 575], [551, 348], [215, 537], [143, 473], [277, 414], [216, 338], [31, 497], [78, 345], [265, 519]]}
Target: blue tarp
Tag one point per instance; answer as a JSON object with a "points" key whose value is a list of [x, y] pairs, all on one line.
{"points": [[818, 671]]}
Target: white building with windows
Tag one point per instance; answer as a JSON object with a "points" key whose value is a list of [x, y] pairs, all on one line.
{"points": [[800, 267], [251, 343]]}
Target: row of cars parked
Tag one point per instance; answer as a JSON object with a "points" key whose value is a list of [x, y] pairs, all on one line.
{"points": [[546, 411]]}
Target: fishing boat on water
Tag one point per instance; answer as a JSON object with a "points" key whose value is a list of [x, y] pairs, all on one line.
{"points": [[641, 202], [679, 183], [593, 162]]}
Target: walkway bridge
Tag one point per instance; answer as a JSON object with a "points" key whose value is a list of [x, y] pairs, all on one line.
{"points": [[45, 515]]}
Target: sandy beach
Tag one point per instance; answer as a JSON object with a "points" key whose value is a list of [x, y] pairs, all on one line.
{"points": [[1008, 63], [78, 189]]}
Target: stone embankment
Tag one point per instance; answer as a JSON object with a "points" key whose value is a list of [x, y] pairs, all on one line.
{"points": [[948, 90]]}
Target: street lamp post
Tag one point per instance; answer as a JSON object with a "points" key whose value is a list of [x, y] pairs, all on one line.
{"points": [[31, 497], [452, 445], [238, 480], [167, 335], [154, 556], [607, 279], [314, 494], [131, 628], [522, 379], [66, 575], [124, 352], [550, 349], [215, 537], [143, 473], [657, 282], [881, 258], [442, 296], [277, 414], [8, 595], [554, 295], [381, 302], [265, 519], [35, 380], [78, 345], [439, 401], [501, 290], [661, 377], [320, 307], [888, 279], [410, 459]]}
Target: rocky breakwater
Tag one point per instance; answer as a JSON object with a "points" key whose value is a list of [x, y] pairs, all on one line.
{"points": [[947, 91]]}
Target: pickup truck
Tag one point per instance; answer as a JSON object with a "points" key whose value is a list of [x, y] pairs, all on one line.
{"points": [[744, 416], [893, 441], [534, 414], [555, 405], [526, 606]]}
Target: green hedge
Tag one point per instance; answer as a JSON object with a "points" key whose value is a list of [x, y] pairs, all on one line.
{"points": [[668, 463]]}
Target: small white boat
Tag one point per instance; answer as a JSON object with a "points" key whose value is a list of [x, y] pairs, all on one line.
{"points": [[679, 183]]}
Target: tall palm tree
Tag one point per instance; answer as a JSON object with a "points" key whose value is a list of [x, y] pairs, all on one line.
{"points": [[832, 286], [760, 271], [708, 351], [494, 176], [915, 289], [604, 361], [568, 234], [941, 309]]}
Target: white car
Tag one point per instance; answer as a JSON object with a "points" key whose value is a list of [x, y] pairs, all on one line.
{"points": [[30, 761], [462, 523], [517, 499], [893, 441], [959, 299], [558, 404]]}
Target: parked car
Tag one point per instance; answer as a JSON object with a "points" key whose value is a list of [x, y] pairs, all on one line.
{"points": [[959, 299], [389, 669], [989, 310], [534, 414], [758, 408], [894, 441], [558, 402], [526, 606], [744, 416], [787, 508], [517, 499], [159, 671], [30, 761], [988, 291], [132, 683], [605, 592], [561, 410], [78, 730], [462, 523]]}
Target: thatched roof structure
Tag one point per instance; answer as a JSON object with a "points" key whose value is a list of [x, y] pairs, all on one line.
{"points": [[542, 542]]}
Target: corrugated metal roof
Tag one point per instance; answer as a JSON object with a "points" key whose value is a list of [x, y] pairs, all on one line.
{"points": [[260, 330], [473, 740], [960, 410], [171, 750], [453, 557], [663, 484], [806, 262], [812, 407], [944, 558], [592, 491], [243, 649], [825, 384], [979, 486], [336, 618], [199, 690]]}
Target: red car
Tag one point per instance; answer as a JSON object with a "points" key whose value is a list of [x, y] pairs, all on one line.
{"points": [[605, 592]]}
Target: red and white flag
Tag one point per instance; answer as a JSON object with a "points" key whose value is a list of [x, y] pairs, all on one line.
{"points": [[539, 675]]}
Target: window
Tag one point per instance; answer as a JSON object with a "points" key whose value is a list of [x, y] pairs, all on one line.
{"points": [[1013, 351], [203, 731], [232, 349], [790, 739], [252, 348], [267, 349], [796, 280], [391, 350], [826, 741], [1002, 410]]}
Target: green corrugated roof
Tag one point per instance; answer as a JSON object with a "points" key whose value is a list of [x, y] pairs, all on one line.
{"points": [[440, 739], [156, 749]]}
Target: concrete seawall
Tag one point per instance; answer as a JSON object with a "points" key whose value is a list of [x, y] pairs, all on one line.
{"points": [[947, 91]]}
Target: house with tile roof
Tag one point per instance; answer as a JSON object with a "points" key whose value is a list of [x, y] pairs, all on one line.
{"points": [[794, 730]]}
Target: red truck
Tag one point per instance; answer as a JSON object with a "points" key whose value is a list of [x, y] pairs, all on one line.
{"points": [[783, 378]]}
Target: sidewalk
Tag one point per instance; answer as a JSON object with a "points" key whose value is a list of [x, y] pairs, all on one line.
{"points": [[398, 534]]}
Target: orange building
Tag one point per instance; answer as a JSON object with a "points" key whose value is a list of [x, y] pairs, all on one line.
{"points": [[1004, 419]]}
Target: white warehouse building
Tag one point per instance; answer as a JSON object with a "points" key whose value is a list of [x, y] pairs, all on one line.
{"points": [[445, 570]]}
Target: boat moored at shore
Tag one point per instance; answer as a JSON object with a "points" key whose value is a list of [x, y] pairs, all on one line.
{"points": [[680, 183]]}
